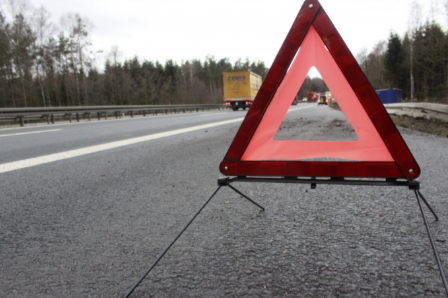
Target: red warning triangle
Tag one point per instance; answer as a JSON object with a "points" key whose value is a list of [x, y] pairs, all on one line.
{"points": [[379, 151]]}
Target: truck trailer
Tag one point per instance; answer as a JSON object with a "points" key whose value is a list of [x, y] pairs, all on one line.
{"points": [[312, 96], [390, 95], [240, 88]]}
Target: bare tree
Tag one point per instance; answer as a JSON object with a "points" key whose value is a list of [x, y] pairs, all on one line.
{"points": [[43, 28], [373, 64], [115, 55], [433, 10], [78, 28], [20, 39], [445, 6], [414, 22], [17, 7]]}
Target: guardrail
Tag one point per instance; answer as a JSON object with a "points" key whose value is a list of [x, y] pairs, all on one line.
{"points": [[412, 109], [419, 110], [56, 113]]}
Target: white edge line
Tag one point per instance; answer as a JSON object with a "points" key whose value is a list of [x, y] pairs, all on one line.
{"points": [[30, 132], [214, 114], [26, 163], [301, 108]]}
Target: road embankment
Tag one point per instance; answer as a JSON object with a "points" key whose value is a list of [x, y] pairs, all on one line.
{"points": [[426, 117]]}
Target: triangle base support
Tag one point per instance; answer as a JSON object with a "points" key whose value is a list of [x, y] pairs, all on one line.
{"points": [[412, 184]]}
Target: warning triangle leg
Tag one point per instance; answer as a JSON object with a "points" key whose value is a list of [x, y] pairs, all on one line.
{"points": [[427, 205], [221, 182], [171, 244], [246, 197], [225, 181], [431, 240]]}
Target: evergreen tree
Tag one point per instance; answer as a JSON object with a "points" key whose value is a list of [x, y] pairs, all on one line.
{"points": [[393, 62]]}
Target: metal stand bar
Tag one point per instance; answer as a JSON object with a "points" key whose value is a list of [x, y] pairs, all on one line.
{"points": [[413, 184], [433, 245], [169, 246], [335, 180], [246, 197], [427, 205]]}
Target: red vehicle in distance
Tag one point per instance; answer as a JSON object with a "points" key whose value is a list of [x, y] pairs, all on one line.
{"points": [[312, 96]]}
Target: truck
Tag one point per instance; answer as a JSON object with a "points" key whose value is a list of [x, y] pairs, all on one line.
{"points": [[322, 100], [329, 97], [312, 96], [240, 88]]}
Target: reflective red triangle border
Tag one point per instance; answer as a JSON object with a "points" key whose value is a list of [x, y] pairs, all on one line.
{"points": [[405, 166]]}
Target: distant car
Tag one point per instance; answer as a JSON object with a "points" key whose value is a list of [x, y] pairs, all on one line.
{"points": [[304, 99], [294, 102], [322, 100]]}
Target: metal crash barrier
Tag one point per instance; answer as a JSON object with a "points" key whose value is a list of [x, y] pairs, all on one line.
{"points": [[53, 114]]}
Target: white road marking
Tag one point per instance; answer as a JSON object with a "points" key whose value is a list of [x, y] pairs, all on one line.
{"points": [[215, 114], [26, 163], [301, 108], [30, 132]]}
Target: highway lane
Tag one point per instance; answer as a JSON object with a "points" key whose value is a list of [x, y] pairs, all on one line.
{"points": [[35, 147], [89, 226], [25, 142]]}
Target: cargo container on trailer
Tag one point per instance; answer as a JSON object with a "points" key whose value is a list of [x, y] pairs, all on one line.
{"points": [[240, 88], [390, 95], [312, 96]]}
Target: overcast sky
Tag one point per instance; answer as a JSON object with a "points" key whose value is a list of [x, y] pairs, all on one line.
{"points": [[184, 30]]}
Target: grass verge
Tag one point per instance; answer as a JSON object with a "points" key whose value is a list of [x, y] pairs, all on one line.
{"points": [[432, 126]]}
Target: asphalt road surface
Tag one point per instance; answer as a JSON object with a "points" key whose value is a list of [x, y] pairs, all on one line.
{"points": [[86, 208]]}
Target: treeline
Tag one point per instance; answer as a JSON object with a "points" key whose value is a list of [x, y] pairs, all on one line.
{"points": [[151, 83], [416, 63], [43, 64], [312, 85]]}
